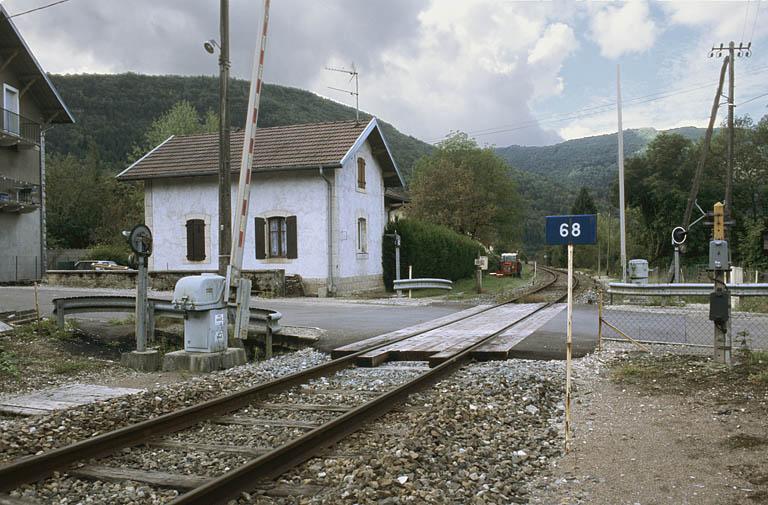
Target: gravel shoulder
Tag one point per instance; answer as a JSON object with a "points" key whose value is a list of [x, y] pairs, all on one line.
{"points": [[664, 429]]}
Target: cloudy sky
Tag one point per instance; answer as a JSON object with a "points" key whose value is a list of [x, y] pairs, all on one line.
{"points": [[507, 72]]}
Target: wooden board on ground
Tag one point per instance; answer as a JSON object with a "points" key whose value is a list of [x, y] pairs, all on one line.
{"points": [[499, 347], [183, 482], [47, 400], [411, 330], [451, 339]]}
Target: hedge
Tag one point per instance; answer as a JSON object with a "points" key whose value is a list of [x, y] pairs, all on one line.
{"points": [[433, 251]]}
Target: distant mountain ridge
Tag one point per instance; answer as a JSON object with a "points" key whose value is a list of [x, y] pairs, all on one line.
{"points": [[588, 161], [113, 112]]}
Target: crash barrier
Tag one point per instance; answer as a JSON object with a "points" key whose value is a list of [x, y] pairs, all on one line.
{"points": [[409, 284], [264, 321], [678, 314]]}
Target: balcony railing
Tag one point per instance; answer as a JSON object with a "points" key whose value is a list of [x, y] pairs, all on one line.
{"points": [[18, 196], [17, 129]]}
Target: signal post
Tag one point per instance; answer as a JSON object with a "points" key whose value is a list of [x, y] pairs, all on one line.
{"points": [[570, 230]]}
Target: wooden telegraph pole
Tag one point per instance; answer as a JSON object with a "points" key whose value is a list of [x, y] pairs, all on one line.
{"points": [[225, 179]]}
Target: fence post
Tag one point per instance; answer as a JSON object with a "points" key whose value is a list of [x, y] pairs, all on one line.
{"points": [[599, 320]]}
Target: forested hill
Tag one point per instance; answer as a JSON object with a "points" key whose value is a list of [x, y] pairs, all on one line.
{"points": [[589, 161], [113, 112]]}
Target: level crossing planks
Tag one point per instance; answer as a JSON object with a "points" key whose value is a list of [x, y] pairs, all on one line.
{"points": [[411, 330], [499, 347], [451, 337]]}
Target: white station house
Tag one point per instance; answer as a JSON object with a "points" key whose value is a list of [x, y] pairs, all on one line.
{"points": [[317, 208]]}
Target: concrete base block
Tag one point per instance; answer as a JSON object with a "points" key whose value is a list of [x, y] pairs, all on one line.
{"points": [[203, 361], [146, 361]]}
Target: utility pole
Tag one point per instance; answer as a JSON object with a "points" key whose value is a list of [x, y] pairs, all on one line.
{"points": [[731, 105], [719, 251], [355, 75], [225, 184], [622, 218], [733, 51]]}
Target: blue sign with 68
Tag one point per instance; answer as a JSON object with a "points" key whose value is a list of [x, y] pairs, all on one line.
{"points": [[577, 229]]}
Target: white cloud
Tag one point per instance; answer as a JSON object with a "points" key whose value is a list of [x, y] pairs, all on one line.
{"points": [[472, 65], [548, 54], [625, 29]]}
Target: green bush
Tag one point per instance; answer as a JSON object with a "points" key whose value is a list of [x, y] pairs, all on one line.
{"points": [[433, 251], [115, 252]]}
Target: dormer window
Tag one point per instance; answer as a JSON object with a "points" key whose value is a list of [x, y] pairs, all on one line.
{"points": [[360, 173]]}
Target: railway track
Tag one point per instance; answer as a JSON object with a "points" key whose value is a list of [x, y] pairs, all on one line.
{"points": [[282, 423]]}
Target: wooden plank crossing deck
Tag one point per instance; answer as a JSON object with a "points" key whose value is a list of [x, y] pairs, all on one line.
{"points": [[46, 401], [411, 330], [440, 344]]}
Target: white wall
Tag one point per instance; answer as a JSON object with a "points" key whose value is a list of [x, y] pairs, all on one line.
{"points": [[171, 202], [353, 204]]}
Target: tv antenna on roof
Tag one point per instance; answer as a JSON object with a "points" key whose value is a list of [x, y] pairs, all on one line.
{"points": [[356, 93]]}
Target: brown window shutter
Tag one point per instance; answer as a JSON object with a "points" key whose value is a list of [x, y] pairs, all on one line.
{"points": [[293, 249], [190, 241], [261, 229], [195, 240], [361, 173]]}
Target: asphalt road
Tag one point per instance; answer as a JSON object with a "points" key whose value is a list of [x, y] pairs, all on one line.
{"points": [[344, 321]]}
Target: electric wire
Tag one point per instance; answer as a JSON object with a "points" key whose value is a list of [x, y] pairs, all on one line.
{"points": [[746, 16], [754, 24], [751, 99], [593, 110], [38, 8]]}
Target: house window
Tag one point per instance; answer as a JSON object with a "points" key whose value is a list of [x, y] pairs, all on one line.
{"points": [[10, 118], [362, 236], [360, 173], [276, 237], [196, 240]]}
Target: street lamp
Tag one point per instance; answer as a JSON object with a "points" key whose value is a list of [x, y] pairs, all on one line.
{"points": [[225, 189]]}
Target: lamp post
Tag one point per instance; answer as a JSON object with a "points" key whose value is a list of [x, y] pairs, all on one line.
{"points": [[225, 188]]}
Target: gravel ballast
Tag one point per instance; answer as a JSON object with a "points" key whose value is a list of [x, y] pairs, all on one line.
{"points": [[475, 437]]}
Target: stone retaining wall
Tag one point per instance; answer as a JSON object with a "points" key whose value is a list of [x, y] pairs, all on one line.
{"points": [[264, 282]]}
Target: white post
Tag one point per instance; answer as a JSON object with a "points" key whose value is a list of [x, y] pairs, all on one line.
{"points": [[568, 351], [622, 223]]}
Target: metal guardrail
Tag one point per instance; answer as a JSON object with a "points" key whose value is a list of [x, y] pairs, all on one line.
{"points": [[265, 320], [406, 284], [684, 289]]}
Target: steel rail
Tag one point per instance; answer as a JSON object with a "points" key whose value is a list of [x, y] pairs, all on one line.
{"points": [[31, 468], [274, 463]]}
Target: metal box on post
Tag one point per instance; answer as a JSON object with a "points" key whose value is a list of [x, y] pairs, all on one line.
{"points": [[638, 271], [205, 318], [718, 255]]}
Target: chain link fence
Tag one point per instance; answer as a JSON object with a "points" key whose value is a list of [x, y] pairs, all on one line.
{"points": [[683, 321]]}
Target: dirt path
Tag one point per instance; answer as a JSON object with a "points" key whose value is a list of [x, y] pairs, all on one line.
{"points": [[681, 431]]}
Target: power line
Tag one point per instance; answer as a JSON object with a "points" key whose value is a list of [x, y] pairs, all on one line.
{"points": [[751, 99], [589, 111], [757, 13], [38, 8], [746, 15]]}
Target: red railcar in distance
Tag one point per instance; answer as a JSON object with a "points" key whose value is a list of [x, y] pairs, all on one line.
{"points": [[510, 265]]}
